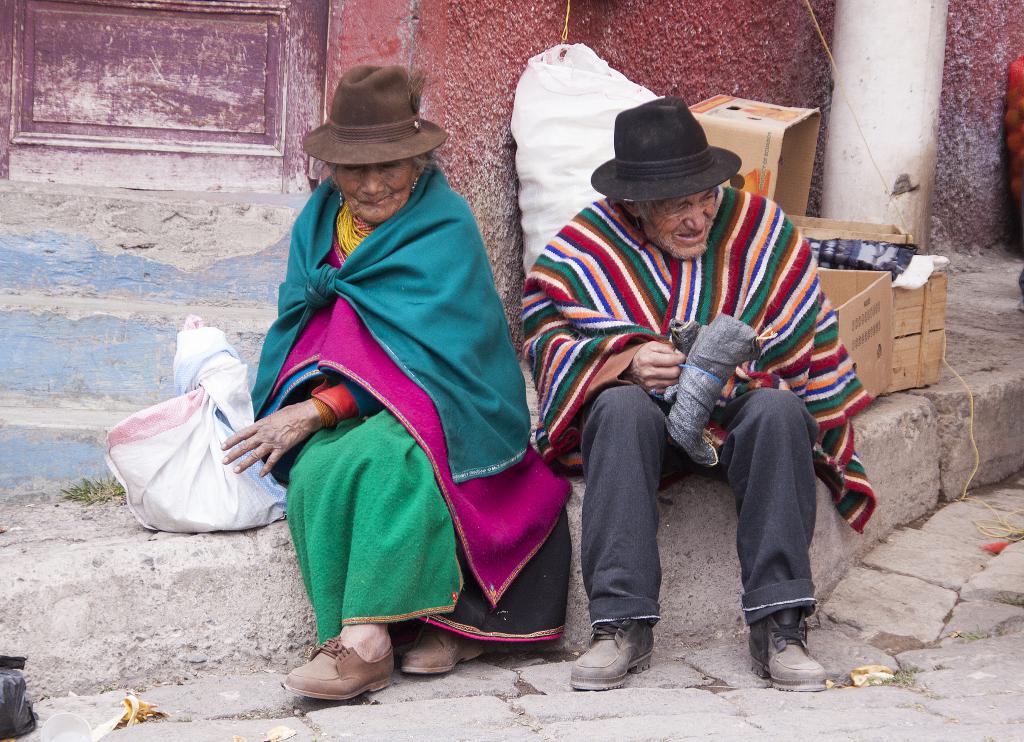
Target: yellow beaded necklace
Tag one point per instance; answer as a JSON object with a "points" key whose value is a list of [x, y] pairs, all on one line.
{"points": [[351, 231]]}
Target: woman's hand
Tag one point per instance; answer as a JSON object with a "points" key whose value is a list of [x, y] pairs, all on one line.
{"points": [[273, 436], [655, 366]]}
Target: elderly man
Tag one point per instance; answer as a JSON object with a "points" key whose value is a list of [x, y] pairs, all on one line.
{"points": [[668, 243]]}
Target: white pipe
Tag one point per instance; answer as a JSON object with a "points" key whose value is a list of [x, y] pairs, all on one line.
{"points": [[889, 56]]}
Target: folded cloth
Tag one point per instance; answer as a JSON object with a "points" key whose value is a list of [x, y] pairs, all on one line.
{"points": [[920, 270], [862, 255], [716, 351]]}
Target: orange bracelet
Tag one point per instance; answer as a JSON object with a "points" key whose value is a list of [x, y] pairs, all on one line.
{"points": [[339, 399], [327, 417]]}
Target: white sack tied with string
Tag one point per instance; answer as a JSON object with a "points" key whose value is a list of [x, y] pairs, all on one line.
{"points": [[563, 121], [168, 457]]}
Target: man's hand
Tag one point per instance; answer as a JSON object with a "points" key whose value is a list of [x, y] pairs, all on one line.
{"points": [[273, 436], [655, 366]]}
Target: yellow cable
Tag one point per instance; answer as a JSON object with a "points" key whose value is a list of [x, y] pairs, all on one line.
{"points": [[565, 27], [1002, 527], [842, 90], [970, 419]]}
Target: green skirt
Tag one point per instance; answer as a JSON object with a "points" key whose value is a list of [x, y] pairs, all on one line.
{"points": [[373, 535]]}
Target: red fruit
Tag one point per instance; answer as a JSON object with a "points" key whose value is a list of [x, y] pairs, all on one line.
{"points": [[1015, 133], [1017, 73], [1014, 143]]}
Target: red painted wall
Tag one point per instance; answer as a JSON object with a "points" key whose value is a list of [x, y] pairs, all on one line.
{"points": [[377, 32], [973, 209], [474, 52]]}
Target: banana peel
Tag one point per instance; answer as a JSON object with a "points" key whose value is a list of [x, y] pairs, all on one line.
{"points": [[135, 712], [280, 734], [277, 734], [871, 675]]}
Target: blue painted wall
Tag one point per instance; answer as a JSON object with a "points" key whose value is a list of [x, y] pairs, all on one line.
{"points": [[98, 356], [55, 263], [47, 459]]}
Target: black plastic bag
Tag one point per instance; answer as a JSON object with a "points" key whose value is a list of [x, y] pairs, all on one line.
{"points": [[16, 717]]}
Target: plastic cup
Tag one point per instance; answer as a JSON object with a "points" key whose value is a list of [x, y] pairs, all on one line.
{"points": [[66, 727]]}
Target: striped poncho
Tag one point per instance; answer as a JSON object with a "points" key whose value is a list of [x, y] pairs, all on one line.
{"points": [[600, 287]]}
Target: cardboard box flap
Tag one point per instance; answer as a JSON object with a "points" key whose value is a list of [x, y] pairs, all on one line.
{"points": [[842, 286], [744, 113], [796, 165], [863, 304]]}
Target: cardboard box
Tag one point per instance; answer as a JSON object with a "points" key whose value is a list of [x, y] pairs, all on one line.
{"points": [[918, 315], [863, 301], [776, 145]]}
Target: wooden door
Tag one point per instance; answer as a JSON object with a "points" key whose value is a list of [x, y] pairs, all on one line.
{"points": [[160, 94]]}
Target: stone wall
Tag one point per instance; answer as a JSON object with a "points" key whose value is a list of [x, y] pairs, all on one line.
{"points": [[973, 209]]}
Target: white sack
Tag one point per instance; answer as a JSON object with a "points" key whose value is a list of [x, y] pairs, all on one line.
{"points": [[563, 121], [168, 457]]}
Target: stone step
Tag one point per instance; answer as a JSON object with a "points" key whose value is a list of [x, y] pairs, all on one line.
{"points": [[489, 699], [237, 599], [109, 350]]}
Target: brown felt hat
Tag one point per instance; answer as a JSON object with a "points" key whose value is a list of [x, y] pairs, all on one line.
{"points": [[374, 118]]}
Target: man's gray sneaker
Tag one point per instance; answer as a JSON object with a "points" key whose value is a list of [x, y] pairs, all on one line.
{"points": [[778, 646], [616, 649]]}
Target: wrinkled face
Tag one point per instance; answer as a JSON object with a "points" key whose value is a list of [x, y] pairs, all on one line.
{"points": [[679, 226], [376, 192]]}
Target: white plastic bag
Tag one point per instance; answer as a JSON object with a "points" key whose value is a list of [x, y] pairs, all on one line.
{"points": [[563, 121], [168, 457]]}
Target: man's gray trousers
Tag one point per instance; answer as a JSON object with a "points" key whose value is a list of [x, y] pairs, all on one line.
{"points": [[767, 462]]}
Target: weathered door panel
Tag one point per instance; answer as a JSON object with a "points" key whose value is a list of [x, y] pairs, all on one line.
{"points": [[6, 60], [167, 94]]}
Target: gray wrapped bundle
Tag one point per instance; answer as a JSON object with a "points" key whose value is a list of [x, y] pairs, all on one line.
{"points": [[712, 354]]}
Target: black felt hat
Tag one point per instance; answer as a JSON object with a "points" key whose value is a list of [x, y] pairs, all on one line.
{"points": [[661, 152]]}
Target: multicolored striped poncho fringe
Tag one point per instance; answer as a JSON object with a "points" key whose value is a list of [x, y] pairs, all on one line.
{"points": [[600, 287]]}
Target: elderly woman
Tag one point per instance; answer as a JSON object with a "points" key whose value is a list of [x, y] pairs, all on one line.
{"points": [[390, 399]]}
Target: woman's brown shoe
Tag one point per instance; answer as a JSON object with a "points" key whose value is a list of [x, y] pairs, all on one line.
{"points": [[439, 651], [337, 672]]}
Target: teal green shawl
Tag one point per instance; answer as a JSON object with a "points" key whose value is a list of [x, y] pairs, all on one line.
{"points": [[422, 284]]}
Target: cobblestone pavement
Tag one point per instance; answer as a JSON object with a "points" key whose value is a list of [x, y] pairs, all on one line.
{"points": [[928, 602]]}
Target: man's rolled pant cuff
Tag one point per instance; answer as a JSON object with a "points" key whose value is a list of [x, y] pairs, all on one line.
{"points": [[771, 598], [603, 610]]}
